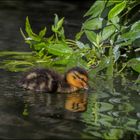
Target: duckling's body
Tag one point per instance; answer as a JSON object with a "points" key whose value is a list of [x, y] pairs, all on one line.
{"points": [[46, 80]]}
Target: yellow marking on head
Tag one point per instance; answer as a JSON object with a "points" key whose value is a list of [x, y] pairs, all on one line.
{"points": [[81, 76], [31, 75], [77, 80]]}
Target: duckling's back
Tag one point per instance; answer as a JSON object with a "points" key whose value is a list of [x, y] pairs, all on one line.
{"points": [[43, 80]]}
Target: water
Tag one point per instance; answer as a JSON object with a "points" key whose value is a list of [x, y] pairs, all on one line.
{"points": [[110, 110]]}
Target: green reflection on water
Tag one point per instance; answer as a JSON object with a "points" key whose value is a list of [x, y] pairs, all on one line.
{"points": [[112, 109]]}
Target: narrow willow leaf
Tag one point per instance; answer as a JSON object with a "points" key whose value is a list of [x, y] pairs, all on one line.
{"points": [[16, 65], [76, 60], [115, 20], [80, 44], [59, 49], [131, 35], [54, 29], [107, 32], [126, 43], [61, 33], [39, 46], [56, 19], [102, 65], [61, 60], [91, 35], [116, 53], [78, 35], [29, 31], [134, 63], [59, 24], [110, 3], [136, 26], [22, 34], [41, 52], [96, 9], [5, 53], [42, 32], [116, 10], [93, 24]]}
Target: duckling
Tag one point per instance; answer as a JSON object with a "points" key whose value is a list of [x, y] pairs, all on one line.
{"points": [[46, 80]]}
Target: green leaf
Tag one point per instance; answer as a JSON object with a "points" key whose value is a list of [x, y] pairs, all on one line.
{"points": [[42, 52], [61, 60], [76, 60], [5, 53], [96, 9], [91, 35], [110, 3], [59, 24], [116, 10], [134, 63], [39, 46], [136, 26], [93, 24], [59, 49], [116, 53], [78, 35], [61, 34], [126, 43], [23, 34], [131, 35], [56, 19], [80, 44], [115, 21], [29, 31], [102, 65], [16, 65], [42, 32], [107, 32]]}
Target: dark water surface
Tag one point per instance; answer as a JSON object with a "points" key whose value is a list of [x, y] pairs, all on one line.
{"points": [[111, 110]]}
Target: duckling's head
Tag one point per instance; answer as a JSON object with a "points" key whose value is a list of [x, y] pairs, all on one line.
{"points": [[77, 77]]}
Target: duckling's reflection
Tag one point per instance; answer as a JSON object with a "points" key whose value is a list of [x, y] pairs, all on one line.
{"points": [[76, 102]]}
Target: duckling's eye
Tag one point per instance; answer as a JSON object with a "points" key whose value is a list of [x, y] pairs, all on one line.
{"points": [[82, 79], [74, 77]]}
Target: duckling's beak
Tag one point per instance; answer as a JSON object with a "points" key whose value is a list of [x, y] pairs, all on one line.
{"points": [[86, 87]]}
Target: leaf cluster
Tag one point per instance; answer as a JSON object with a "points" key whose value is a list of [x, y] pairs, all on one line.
{"points": [[109, 33]]}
